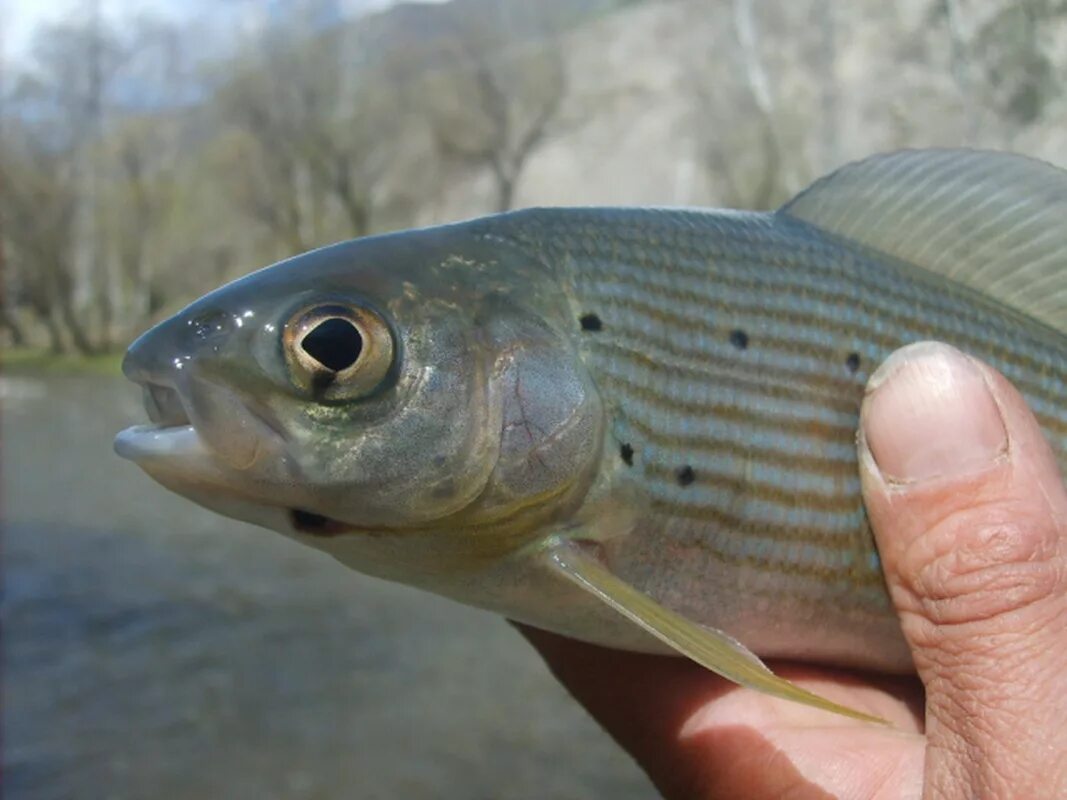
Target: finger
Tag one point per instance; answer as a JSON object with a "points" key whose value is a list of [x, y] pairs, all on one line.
{"points": [[968, 509]]}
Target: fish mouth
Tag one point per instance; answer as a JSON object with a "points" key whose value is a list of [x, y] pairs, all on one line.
{"points": [[170, 433], [201, 418], [163, 405], [171, 448]]}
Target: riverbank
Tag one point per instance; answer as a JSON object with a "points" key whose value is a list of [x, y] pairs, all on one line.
{"points": [[29, 360]]}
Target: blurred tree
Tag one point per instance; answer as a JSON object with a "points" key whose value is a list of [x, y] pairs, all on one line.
{"points": [[313, 128], [747, 138], [495, 97], [9, 290], [138, 206], [64, 96], [77, 155], [1003, 59], [1019, 74], [39, 205]]}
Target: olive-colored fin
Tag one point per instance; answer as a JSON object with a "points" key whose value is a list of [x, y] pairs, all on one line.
{"points": [[996, 222], [708, 647]]}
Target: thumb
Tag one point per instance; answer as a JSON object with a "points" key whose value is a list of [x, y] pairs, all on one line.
{"points": [[969, 511]]}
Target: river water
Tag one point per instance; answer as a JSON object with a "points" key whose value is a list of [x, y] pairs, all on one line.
{"points": [[154, 650]]}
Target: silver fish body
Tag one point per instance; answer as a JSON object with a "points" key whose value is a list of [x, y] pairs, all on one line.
{"points": [[732, 350], [677, 391]]}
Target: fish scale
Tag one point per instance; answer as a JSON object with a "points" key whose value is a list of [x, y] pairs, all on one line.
{"points": [[669, 287]]}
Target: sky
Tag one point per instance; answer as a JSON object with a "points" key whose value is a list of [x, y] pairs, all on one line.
{"points": [[20, 18]]}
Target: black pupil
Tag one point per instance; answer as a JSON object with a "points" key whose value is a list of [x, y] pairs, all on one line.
{"points": [[334, 343]]}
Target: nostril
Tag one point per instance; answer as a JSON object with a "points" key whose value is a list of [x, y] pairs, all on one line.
{"points": [[210, 324]]}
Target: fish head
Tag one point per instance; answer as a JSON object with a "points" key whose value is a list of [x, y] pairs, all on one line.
{"points": [[424, 381]]}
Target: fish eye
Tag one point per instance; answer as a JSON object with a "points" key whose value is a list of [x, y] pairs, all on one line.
{"points": [[337, 351], [334, 343]]}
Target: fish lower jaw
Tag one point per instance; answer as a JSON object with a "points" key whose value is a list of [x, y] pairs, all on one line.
{"points": [[142, 443]]}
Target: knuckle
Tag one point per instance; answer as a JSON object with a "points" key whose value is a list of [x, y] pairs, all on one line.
{"points": [[980, 564]]}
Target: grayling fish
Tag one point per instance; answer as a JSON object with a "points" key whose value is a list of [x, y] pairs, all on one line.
{"points": [[631, 426]]}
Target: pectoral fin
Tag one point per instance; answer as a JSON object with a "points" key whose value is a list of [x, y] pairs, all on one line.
{"points": [[708, 647]]}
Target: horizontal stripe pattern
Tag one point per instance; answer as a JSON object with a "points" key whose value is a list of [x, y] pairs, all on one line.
{"points": [[767, 429]]}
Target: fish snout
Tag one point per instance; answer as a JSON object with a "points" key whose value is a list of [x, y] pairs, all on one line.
{"points": [[156, 355], [152, 363], [136, 362]]}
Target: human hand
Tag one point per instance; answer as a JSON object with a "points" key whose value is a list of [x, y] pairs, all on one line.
{"points": [[969, 512]]}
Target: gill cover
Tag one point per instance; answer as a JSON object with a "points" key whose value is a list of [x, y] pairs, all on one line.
{"points": [[550, 416]]}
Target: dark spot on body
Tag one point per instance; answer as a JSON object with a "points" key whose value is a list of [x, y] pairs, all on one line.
{"points": [[315, 524], [439, 461], [308, 521], [739, 339], [627, 453], [590, 322], [685, 475], [853, 362]]}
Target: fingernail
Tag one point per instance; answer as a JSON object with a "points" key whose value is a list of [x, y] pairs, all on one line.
{"points": [[929, 413]]}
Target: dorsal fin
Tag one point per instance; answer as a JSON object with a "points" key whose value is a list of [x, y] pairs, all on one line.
{"points": [[996, 222]]}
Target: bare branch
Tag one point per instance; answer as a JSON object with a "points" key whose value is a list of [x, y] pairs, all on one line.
{"points": [[496, 102]]}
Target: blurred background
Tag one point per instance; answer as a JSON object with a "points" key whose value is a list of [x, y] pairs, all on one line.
{"points": [[152, 149]]}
